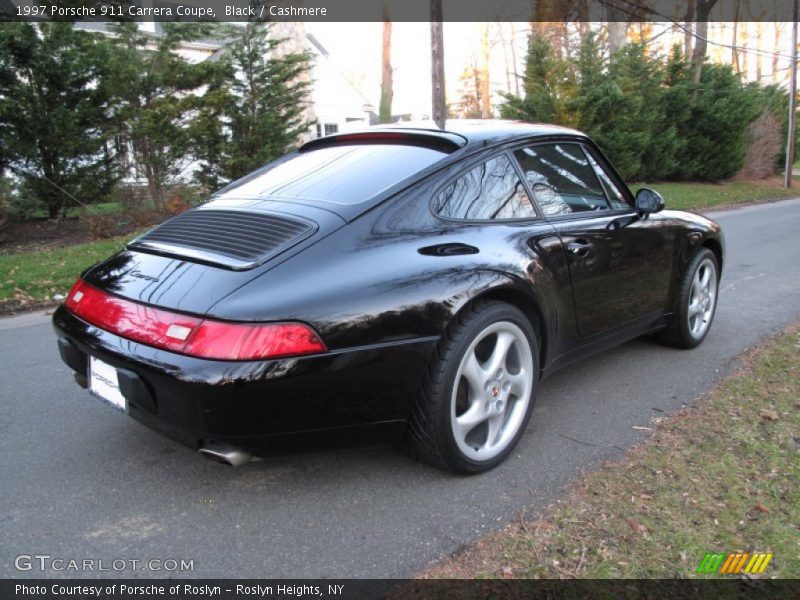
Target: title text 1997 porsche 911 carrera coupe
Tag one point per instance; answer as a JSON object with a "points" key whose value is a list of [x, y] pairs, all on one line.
{"points": [[395, 283]]}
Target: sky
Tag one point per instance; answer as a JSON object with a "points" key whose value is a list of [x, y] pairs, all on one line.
{"points": [[356, 50]]}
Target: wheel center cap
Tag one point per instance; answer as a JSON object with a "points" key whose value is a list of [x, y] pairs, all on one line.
{"points": [[494, 391]]}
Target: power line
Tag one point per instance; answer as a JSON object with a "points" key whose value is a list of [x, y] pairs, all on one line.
{"points": [[636, 13]]}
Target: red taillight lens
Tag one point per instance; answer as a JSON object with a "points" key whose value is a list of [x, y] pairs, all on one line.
{"points": [[131, 320], [191, 335], [236, 341]]}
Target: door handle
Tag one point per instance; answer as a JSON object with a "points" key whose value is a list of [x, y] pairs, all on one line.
{"points": [[579, 248]]}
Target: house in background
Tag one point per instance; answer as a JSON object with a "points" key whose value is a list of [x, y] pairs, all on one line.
{"points": [[336, 104]]}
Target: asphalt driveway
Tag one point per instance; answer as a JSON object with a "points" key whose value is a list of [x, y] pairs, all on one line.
{"points": [[80, 481]]}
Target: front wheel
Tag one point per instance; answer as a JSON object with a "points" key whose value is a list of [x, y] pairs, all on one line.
{"points": [[695, 304], [477, 397]]}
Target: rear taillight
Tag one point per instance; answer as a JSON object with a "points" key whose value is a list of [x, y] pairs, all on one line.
{"points": [[205, 338]]}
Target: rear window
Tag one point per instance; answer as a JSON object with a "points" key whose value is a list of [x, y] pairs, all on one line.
{"points": [[339, 174]]}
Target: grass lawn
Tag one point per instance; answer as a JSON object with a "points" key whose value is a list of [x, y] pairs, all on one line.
{"points": [[36, 276], [722, 476], [700, 196]]}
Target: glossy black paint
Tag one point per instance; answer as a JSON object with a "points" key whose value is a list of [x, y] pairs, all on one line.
{"points": [[380, 280]]}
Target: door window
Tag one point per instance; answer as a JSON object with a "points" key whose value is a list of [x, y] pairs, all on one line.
{"points": [[615, 197], [561, 179], [492, 190]]}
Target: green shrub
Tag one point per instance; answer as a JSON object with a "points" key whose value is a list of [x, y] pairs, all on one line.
{"points": [[644, 111]]}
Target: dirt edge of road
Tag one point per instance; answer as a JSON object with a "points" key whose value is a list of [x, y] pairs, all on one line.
{"points": [[720, 476]]}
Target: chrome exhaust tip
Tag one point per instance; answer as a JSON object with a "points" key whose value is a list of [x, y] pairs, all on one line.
{"points": [[225, 454]]}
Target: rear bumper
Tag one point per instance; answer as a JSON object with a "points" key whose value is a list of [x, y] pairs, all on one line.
{"points": [[346, 397]]}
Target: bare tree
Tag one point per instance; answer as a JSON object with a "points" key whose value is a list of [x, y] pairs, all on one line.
{"points": [[617, 26], [779, 28], [763, 148], [734, 42], [439, 106], [688, 31], [486, 104], [744, 40], [387, 87], [702, 10], [510, 67]]}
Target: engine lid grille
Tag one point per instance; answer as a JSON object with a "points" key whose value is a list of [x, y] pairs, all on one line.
{"points": [[234, 239]]}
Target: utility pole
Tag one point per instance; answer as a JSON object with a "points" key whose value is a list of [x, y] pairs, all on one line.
{"points": [[437, 65], [787, 177]]}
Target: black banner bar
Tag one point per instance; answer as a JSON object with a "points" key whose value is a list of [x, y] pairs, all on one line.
{"points": [[362, 589], [398, 10]]}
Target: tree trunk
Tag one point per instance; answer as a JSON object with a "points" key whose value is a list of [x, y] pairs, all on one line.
{"points": [[486, 101], [617, 27], [155, 189], [744, 37], [438, 104], [387, 89], [775, 57], [734, 43], [759, 58], [699, 54], [688, 38], [506, 61], [514, 59]]}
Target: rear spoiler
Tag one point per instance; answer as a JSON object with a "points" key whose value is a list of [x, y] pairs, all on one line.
{"points": [[443, 141]]}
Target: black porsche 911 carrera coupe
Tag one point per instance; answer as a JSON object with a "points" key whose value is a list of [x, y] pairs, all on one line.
{"points": [[397, 283]]}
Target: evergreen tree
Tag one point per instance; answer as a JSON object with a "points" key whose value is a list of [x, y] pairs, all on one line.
{"points": [[55, 113], [664, 158], [548, 85], [265, 111], [649, 132], [619, 104], [715, 131], [164, 101], [597, 96], [645, 112]]}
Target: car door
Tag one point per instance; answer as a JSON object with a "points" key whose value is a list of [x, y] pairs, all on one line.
{"points": [[619, 263], [492, 208]]}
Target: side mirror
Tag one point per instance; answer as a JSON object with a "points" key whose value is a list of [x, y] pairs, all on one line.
{"points": [[649, 201]]}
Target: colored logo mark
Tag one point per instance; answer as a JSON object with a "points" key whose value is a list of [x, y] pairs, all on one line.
{"points": [[734, 563]]}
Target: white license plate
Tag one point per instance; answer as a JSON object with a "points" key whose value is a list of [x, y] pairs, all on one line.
{"points": [[104, 384]]}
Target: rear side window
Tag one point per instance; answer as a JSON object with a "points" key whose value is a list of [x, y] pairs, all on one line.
{"points": [[492, 190], [339, 174], [561, 179]]}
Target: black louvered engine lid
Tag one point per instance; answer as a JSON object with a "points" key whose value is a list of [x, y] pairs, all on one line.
{"points": [[234, 239]]}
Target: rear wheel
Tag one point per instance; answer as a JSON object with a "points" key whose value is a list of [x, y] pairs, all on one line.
{"points": [[695, 304], [477, 397]]}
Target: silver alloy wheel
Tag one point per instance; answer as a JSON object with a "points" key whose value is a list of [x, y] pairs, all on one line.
{"points": [[492, 391], [702, 298]]}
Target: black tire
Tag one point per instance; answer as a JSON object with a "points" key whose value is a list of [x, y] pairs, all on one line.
{"points": [[678, 333], [430, 431]]}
